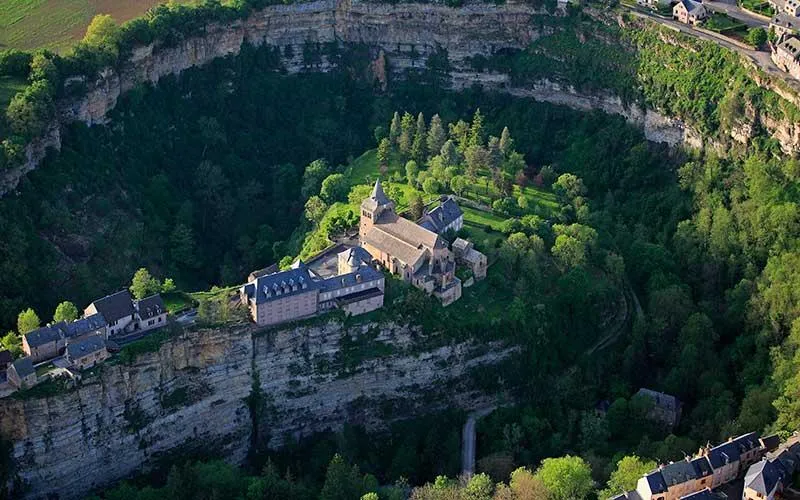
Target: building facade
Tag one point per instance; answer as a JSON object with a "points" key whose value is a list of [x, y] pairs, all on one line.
{"points": [[410, 251], [118, 311], [786, 56], [87, 353]]}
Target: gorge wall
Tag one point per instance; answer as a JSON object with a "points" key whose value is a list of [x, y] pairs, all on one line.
{"points": [[193, 395]]}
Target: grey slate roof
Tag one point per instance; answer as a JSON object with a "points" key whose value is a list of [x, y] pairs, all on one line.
{"points": [[770, 442], [691, 6], [85, 347], [762, 477], [723, 454], [442, 216], [701, 467], [115, 306], [705, 494], [661, 399], [150, 307], [293, 281], [5, 358], [85, 325], [41, 336], [656, 482], [363, 274], [355, 256], [376, 198], [24, 367], [678, 472]]}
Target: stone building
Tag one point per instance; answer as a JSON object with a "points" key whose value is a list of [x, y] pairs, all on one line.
{"points": [[786, 56], [666, 408], [49, 341], [87, 353], [21, 374], [150, 313], [299, 293], [446, 217], [414, 253], [689, 12], [466, 255], [118, 311]]}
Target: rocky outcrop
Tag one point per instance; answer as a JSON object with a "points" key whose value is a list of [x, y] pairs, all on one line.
{"points": [[194, 394]]}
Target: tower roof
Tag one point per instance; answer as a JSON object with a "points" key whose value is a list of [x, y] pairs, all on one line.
{"points": [[378, 195], [377, 199]]}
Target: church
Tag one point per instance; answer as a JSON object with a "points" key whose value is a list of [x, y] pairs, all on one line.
{"points": [[412, 252]]}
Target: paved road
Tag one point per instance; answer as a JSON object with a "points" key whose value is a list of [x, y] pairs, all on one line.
{"points": [[737, 13], [468, 441]]}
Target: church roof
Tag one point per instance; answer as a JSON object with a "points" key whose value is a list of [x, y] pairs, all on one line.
{"points": [[377, 198]]}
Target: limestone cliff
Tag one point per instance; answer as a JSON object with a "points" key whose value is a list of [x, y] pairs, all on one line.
{"points": [[192, 394]]}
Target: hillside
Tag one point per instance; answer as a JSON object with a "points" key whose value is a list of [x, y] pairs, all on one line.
{"points": [[640, 221]]}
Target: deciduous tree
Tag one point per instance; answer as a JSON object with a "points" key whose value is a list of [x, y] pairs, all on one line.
{"points": [[27, 321], [65, 311]]}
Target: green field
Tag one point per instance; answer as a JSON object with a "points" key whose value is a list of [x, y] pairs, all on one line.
{"points": [[9, 86], [58, 24]]}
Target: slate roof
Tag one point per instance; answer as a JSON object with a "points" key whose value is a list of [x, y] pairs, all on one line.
{"points": [[762, 477], [705, 494], [115, 306], [363, 274], [376, 198], [786, 21], [286, 283], [23, 367], [770, 442], [150, 307], [691, 6], [442, 216], [661, 400], [5, 358], [678, 472], [85, 347], [85, 325], [355, 256], [656, 482], [41, 336], [747, 442], [701, 467], [263, 272], [723, 454]]}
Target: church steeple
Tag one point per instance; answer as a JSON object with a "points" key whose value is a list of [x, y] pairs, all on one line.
{"points": [[373, 207]]}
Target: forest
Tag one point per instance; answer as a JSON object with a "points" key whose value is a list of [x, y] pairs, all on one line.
{"points": [[226, 169]]}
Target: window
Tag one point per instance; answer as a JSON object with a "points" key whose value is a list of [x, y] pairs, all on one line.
{"points": [[159, 319]]}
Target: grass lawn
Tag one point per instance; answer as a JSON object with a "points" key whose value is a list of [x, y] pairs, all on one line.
{"points": [[58, 24], [722, 23], [482, 219], [177, 301], [9, 86]]}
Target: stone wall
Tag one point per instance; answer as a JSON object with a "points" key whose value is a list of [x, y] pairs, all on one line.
{"points": [[191, 395]]}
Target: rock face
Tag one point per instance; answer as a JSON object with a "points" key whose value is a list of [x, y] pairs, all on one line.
{"points": [[193, 394]]}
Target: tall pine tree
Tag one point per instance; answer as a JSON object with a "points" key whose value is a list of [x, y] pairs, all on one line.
{"points": [[436, 135], [394, 129], [506, 142], [419, 148], [407, 130], [476, 131]]}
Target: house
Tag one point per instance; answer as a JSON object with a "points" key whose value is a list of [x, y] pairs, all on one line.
{"points": [[784, 24], [49, 341], [117, 309], [689, 12], [87, 353], [21, 373], [414, 253], [446, 217], [652, 486], [680, 478], [150, 313], [792, 7], [666, 408], [732, 457], [5, 360], [770, 443], [299, 293], [704, 473], [786, 56], [467, 256], [762, 481]]}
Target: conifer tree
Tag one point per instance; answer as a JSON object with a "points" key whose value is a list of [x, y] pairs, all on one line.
{"points": [[436, 135], [407, 129], [449, 154], [506, 142], [394, 129], [419, 148], [383, 155], [476, 130]]}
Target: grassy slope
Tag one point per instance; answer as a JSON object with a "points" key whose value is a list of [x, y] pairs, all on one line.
{"points": [[9, 87], [57, 24]]}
